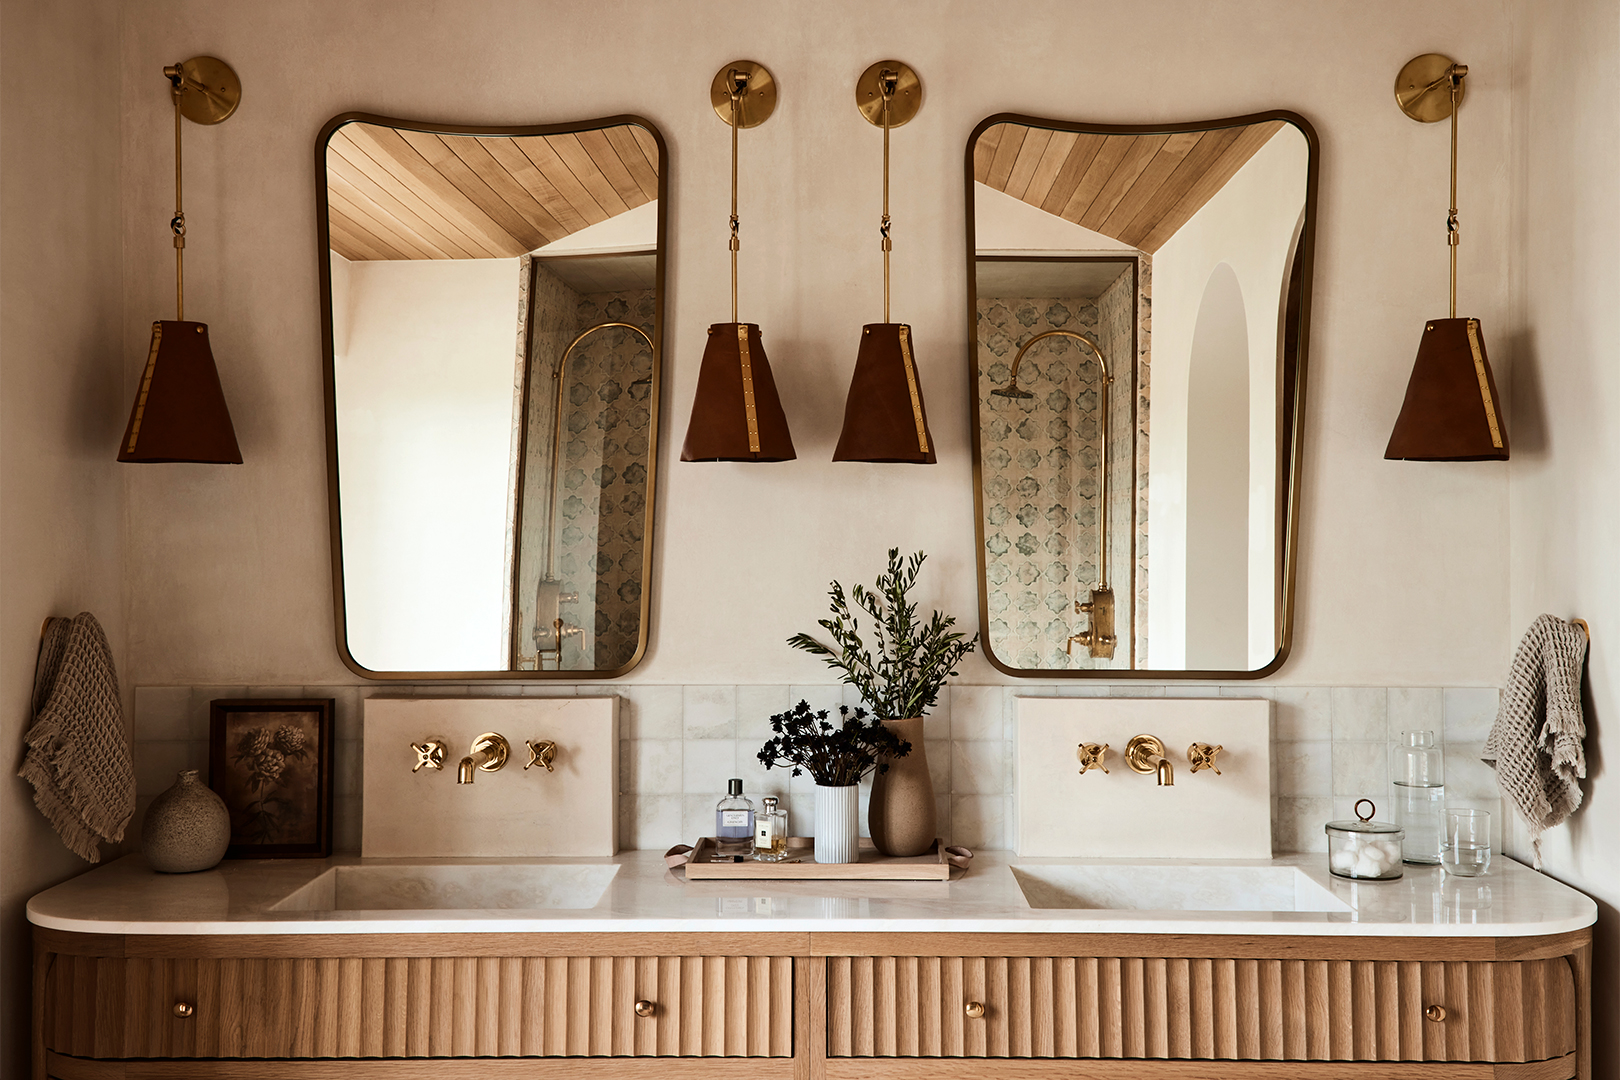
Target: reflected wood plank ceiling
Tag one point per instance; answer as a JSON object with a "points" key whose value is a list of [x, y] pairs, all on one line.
{"points": [[394, 194], [1137, 189]]}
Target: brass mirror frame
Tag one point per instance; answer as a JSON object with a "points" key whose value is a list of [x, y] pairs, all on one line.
{"points": [[1291, 392], [323, 241]]}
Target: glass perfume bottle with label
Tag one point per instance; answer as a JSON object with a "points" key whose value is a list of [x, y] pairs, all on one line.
{"points": [[734, 822], [770, 832]]}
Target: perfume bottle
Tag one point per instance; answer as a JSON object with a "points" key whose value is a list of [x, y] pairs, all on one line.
{"points": [[770, 832], [734, 822]]}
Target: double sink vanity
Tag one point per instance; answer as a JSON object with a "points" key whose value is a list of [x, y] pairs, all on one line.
{"points": [[619, 967]]}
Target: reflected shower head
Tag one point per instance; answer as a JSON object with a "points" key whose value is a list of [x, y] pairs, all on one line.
{"points": [[1012, 392]]}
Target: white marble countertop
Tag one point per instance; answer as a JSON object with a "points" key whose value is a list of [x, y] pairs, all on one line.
{"points": [[242, 897]]}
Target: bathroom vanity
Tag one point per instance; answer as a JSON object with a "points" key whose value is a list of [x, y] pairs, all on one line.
{"points": [[618, 968]]}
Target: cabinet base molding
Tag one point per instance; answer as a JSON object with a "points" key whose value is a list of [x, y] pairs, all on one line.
{"points": [[1563, 1068], [64, 1067]]}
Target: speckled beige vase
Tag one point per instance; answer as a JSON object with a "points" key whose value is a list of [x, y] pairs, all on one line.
{"points": [[901, 813], [186, 828]]}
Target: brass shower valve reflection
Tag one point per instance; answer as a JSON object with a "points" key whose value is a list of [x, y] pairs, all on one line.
{"points": [[1202, 756], [1092, 756]]}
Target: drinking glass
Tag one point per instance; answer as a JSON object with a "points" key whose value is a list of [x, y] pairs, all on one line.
{"points": [[1465, 848]]}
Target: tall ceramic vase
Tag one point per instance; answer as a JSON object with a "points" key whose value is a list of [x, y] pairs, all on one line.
{"points": [[838, 824], [901, 813]]}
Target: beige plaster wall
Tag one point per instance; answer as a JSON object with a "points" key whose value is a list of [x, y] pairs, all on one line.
{"points": [[62, 407], [228, 568], [1565, 470]]}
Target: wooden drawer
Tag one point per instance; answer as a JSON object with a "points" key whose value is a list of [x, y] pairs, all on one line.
{"points": [[1134, 1007], [466, 1006]]}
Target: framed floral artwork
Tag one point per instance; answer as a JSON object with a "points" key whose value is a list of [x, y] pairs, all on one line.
{"points": [[271, 761]]}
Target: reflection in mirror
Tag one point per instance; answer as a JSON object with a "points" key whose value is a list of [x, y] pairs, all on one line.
{"points": [[1138, 301], [494, 307]]}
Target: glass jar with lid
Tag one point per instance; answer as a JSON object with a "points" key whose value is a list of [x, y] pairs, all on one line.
{"points": [[1364, 849]]}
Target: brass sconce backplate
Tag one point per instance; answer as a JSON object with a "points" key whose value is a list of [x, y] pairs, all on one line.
{"points": [[1421, 88], [755, 105], [210, 92], [907, 93]]}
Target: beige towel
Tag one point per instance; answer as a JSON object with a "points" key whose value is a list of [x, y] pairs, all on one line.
{"points": [[78, 758], [1535, 744]]}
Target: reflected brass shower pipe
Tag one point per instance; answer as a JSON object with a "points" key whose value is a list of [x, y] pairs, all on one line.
{"points": [[1098, 637], [561, 380]]}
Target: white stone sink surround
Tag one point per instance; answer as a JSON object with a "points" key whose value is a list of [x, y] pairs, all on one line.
{"points": [[241, 897], [442, 886]]}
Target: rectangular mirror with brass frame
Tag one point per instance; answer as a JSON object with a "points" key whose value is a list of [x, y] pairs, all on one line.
{"points": [[1138, 320], [492, 305]]}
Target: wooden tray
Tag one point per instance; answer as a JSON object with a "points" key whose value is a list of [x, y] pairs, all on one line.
{"points": [[707, 865]]}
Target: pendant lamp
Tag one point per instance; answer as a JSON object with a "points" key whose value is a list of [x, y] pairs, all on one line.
{"points": [[736, 414], [1452, 410], [885, 419], [179, 412]]}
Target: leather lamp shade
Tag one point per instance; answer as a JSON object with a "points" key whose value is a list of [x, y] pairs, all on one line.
{"points": [[179, 412], [884, 416], [1452, 411], [736, 415]]}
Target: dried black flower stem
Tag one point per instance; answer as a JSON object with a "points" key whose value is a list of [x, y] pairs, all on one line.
{"points": [[835, 755]]}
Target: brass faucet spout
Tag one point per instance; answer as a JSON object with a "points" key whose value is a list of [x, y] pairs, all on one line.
{"points": [[464, 771], [1167, 775]]}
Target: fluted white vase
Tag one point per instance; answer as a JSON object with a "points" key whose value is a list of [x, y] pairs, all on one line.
{"points": [[837, 824]]}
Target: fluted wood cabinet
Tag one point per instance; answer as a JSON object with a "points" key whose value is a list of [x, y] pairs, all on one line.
{"points": [[810, 1007]]}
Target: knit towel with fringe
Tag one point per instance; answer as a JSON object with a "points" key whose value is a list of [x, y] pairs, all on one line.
{"points": [[1536, 743], [78, 757]]}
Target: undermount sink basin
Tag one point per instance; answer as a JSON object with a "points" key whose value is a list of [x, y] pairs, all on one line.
{"points": [[441, 887], [1131, 887]]}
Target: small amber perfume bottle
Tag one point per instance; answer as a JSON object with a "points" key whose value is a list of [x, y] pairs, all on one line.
{"points": [[770, 832]]}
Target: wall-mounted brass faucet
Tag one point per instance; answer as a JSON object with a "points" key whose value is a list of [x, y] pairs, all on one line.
{"points": [[1092, 756], [489, 753], [1145, 754]]}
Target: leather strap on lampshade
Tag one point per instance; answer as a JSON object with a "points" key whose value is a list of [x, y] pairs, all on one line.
{"points": [[736, 415], [1452, 411], [884, 416], [179, 412]]}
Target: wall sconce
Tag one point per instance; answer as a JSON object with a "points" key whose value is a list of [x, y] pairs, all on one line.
{"points": [[179, 412], [1451, 411], [884, 416], [736, 414]]}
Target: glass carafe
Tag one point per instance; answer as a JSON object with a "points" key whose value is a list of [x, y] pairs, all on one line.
{"points": [[1420, 793]]}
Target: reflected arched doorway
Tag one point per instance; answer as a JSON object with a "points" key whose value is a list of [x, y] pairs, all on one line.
{"points": [[1218, 479]]}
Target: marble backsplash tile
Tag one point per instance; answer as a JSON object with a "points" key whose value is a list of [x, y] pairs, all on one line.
{"points": [[679, 745]]}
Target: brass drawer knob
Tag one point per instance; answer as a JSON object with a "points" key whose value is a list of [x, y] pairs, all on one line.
{"points": [[183, 1010], [1436, 1013], [646, 1008], [974, 1010]]}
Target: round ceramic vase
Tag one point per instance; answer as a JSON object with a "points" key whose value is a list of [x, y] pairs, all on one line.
{"points": [[901, 814], [838, 824], [187, 828]]}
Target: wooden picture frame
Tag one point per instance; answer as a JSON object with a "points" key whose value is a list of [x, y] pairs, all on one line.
{"points": [[270, 759]]}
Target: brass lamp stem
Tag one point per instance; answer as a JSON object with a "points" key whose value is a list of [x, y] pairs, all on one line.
{"points": [[738, 83], [1455, 78], [887, 82], [177, 224]]}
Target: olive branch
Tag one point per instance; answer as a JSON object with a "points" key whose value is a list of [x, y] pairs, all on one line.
{"points": [[900, 676]]}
